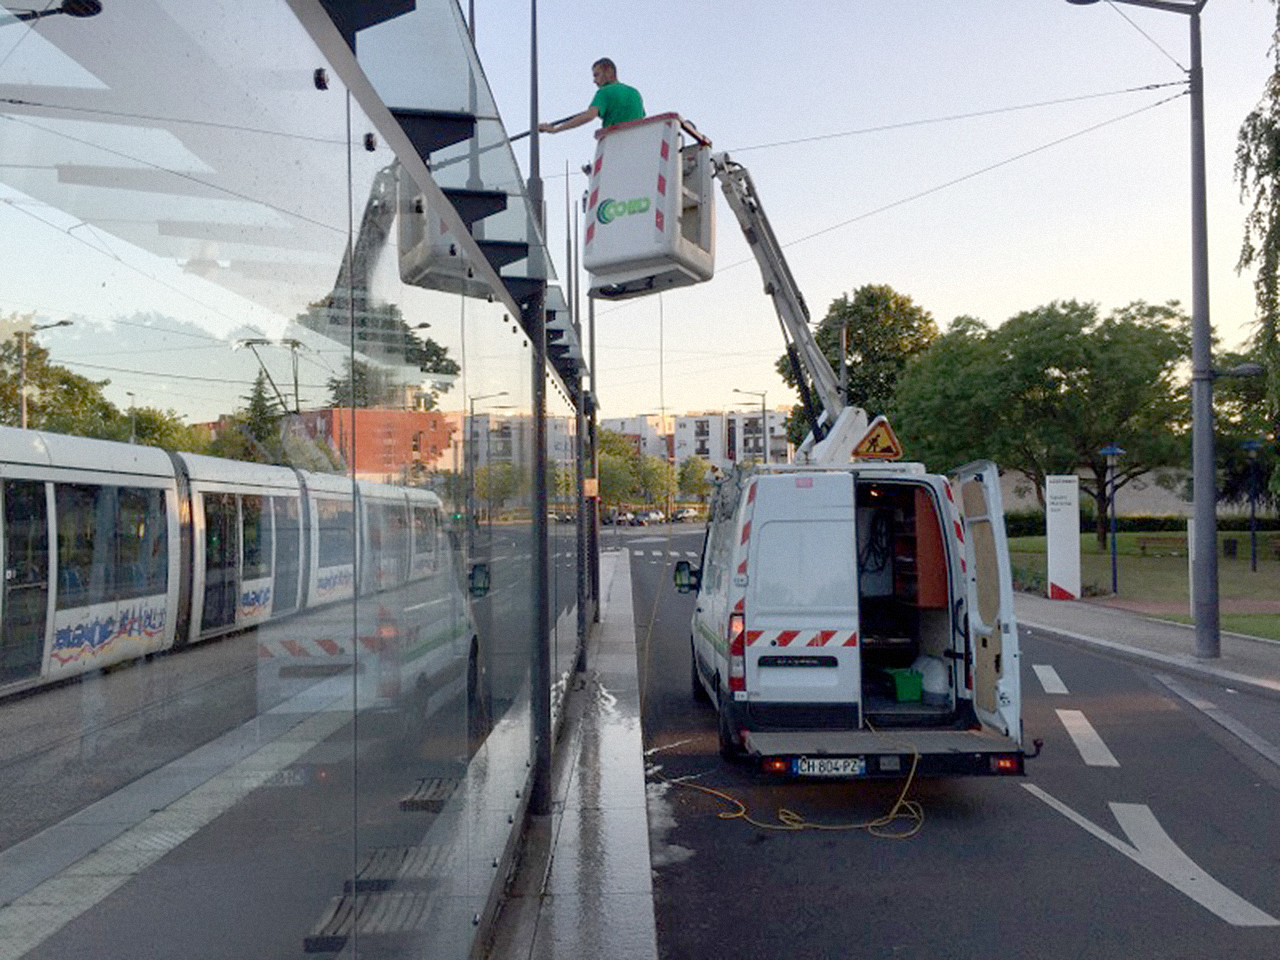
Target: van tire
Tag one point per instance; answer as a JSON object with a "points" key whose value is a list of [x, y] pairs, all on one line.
{"points": [[700, 694], [730, 747]]}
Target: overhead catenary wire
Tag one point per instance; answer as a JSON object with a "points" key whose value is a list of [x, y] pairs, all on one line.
{"points": [[1176, 62], [951, 118]]}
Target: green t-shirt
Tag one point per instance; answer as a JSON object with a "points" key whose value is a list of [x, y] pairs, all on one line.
{"points": [[618, 103]]}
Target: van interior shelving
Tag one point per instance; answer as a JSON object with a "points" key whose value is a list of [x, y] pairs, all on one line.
{"points": [[902, 598]]}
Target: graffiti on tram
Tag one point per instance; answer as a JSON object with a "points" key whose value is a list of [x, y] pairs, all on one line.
{"points": [[94, 631]]}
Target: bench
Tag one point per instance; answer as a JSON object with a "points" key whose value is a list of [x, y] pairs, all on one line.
{"points": [[1169, 545]]}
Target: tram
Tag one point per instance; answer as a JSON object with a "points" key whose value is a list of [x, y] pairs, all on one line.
{"points": [[113, 551]]}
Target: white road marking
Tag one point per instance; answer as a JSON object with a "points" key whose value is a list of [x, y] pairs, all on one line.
{"points": [[1092, 750], [1154, 850], [1049, 678], [427, 603], [690, 553], [673, 553], [1223, 719], [656, 553]]}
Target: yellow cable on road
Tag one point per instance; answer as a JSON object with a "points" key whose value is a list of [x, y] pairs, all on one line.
{"points": [[788, 820]]}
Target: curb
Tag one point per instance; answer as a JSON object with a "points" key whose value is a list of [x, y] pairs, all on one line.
{"points": [[1187, 666]]}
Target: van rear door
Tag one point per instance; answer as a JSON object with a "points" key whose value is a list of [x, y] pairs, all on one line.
{"points": [[802, 591], [993, 631]]}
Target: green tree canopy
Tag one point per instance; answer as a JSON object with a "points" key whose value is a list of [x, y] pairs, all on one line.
{"points": [[60, 401], [693, 478], [885, 330], [1047, 390], [1257, 171]]}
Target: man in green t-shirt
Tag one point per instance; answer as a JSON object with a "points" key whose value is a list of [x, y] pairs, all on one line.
{"points": [[613, 103]]}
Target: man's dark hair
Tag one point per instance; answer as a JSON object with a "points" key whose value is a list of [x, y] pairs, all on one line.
{"points": [[607, 64]]}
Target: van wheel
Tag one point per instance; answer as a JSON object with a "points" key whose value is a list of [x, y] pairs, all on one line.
{"points": [[730, 747], [700, 694]]}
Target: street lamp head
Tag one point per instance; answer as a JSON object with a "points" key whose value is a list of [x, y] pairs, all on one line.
{"points": [[1246, 369]]}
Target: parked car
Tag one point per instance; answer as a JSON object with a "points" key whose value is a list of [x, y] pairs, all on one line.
{"points": [[684, 514]]}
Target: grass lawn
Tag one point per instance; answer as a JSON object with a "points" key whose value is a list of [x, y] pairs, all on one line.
{"points": [[1164, 578]]}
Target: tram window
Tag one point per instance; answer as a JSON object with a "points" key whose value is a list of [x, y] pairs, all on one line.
{"points": [[395, 532], [424, 533], [335, 519], [86, 517], [256, 538], [142, 560]]}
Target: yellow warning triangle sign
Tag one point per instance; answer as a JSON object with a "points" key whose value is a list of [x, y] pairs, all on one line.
{"points": [[878, 443]]}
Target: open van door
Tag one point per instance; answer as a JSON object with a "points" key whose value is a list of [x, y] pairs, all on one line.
{"points": [[993, 630]]}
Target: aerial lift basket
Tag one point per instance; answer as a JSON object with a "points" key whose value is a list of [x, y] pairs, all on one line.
{"points": [[651, 212]]}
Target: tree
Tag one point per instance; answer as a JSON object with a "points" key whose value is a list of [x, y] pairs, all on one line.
{"points": [[885, 330], [693, 478], [619, 468], [1047, 390], [657, 480], [60, 401], [363, 385], [1257, 171]]}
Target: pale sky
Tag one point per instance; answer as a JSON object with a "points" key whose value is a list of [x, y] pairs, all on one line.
{"points": [[1104, 216]]}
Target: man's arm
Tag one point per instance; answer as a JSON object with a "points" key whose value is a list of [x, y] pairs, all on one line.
{"points": [[586, 116]]}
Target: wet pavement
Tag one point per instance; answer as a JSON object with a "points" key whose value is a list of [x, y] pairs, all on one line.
{"points": [[584, 887]]}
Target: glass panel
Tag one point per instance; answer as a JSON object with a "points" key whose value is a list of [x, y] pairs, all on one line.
{"points": [[326, 517]]}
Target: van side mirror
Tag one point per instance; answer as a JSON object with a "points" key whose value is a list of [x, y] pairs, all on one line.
{"points": [[478, 580], [687, 579]]}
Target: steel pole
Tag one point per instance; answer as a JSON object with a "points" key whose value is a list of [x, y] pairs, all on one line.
{"points": [[22, 379], [1204, 480], [535, 325]]}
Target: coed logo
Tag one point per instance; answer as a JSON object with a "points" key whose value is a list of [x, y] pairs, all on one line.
{"points": [[610, 210]]}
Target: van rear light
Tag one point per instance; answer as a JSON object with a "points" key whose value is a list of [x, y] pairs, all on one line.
{"points": [[776, 765], [737, 653], [1006, 764]]}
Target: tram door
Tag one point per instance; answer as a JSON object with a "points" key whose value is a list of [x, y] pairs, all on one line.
{"points": [[26, 579], [221, 560], [288, 553]]}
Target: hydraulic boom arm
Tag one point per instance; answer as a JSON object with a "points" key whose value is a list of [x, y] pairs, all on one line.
{"points": [[834, 435]]}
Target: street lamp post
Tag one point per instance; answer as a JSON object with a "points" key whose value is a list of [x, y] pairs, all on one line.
{"points": [[23, 336], [470, 451], [1253, 446], [764, 419], [133, 422], [1111, 451], [1204, 481]]}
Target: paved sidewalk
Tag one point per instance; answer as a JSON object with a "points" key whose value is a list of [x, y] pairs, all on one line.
{"points": [[584, 888], [1246, 662]]}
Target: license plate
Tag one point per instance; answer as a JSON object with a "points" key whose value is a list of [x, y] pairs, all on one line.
{"points": [[830, 767]]}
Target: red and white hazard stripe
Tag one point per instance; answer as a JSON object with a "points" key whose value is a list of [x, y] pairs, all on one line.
{"points": [[301, 648], [802, 638]]}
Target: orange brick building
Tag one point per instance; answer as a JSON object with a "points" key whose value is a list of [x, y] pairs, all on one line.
{"points": [[389, 443]]}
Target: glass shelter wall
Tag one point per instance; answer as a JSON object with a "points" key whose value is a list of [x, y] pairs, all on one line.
{"points": [[267, 540]]}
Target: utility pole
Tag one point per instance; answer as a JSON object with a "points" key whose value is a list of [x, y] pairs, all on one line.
{"points": [[22, 336]]}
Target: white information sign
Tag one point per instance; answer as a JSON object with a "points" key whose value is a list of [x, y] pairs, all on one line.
{"points": [[1062, 530]]}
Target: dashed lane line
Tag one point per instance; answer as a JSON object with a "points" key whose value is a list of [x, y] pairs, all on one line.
{"points": [[1092, 750], [1049, 678], [1155, 851]]}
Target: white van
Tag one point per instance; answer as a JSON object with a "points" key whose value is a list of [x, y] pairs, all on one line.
{"points": [[851, 621]]}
